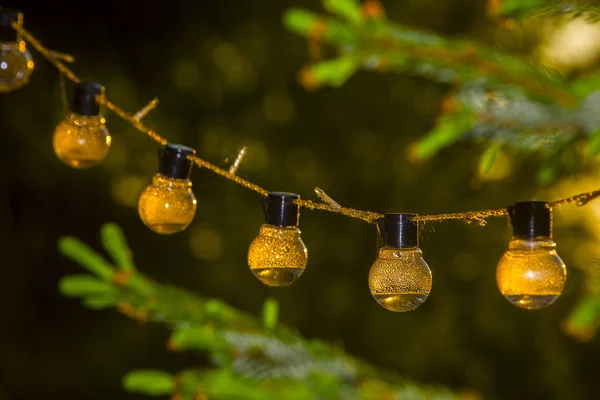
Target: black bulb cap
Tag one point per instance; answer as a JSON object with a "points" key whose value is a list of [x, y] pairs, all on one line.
{"points": [[531, 219], [399, 230], [173, 161], [280, 209], [7, 17], [83, 99]]}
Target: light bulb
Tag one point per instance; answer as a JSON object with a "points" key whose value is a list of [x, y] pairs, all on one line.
{"points": [[530, 274], [399, 279], [277, 256], [168, 205], [16, 64], [81, 139]]}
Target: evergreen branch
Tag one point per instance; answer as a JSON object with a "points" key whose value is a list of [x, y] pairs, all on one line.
{"points": [[585, 85], [526, 8], [384, 45], [254, 358], [449, 128], [348, 9], [115, 244], [502, 98], [86, 257]]}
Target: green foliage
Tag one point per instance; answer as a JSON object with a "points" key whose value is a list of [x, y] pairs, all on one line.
{"points": [[430, 55], [585, 85], [197, 338], [79, 285], [573, 8], [114, 242], [593, 144], [149, 381], [347, 9], [270, 313], [519, 8], [507, 99], [448, 130], [253, 359], [307, 23], [546, 174], [86, 257], [99, 302], [333, 72]]}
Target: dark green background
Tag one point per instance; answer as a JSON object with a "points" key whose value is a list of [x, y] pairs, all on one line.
{"points": [[349, 141]]}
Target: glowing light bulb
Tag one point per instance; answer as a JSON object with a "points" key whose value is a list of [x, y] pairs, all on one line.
{"points": [[81, 140], [399, 279], [168, 205], [530, 274], [16, 64], [277, 256]]}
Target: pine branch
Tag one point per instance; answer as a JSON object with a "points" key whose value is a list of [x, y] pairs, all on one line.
{"points": [[526, 8], [253, 358], [502, 99], [383, 45]]}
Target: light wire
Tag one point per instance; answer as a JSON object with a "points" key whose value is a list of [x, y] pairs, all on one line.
{"points": [[330, 205]]}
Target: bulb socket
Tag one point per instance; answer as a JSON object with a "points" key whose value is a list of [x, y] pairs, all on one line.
{"points": [[173, 161], [84, 98], [281, 209], [531, 219], [7, 17], [399, 230]]}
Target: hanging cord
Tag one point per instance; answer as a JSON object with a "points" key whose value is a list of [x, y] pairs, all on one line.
{"points": [[328, 204]]}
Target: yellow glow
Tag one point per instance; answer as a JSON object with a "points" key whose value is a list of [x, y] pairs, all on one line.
{"points": [[206, 244], [16, 66], [228, 58], [257, 158], [167, 205], [216, 137], [277, 256], [465, 266], [239, 73], [186, 74], [278, 107], [81, 141], [302, 165], [500, 170], [587, 216], [118, 158], [368, 146], [400, 280], [530, 274], [582, 243], [126, 190], [574, 45]]}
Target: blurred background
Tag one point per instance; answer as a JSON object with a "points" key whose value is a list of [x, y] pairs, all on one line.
{"points": [[225, 73]]}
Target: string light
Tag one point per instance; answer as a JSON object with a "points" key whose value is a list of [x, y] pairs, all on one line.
{"points": [[277, 256], [530, 273], [168, 204], [81, 140], [399, 279], [16, 64]]}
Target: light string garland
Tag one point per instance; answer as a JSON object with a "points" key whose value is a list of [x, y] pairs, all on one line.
{"points": [[530, 274]]}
